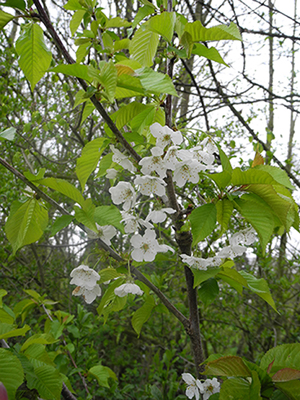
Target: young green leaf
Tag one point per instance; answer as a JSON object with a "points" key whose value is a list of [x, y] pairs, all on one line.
{"points": [[35, 58], [143, 47], [89, 159], [142, 314], [163, 24], [11, 372], [224, 212], [26, 225], [208, 291], [109, 215], [259, 287], [47, 381], [102, 374], [203, 220], [220, 32], [8, 134], [64, 187], [5, 18], [209, 53]]}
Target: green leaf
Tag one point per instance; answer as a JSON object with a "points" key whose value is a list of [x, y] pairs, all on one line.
{"points": [[291, 389], [143, 120], [203, 221], [89, 159], [26, 225], [35, 58], [278, 174], [63, 187], [8, 331], [108, 79], [259, 215], [260, 287], [235, 389], [278, 204], [109, 295], [11, 372], [127, 113], [47, 381], [222, 179], [143, 47], [233, 278], [226, 165], [117, 22], [102, 374], [104, 164], [6, 318], [76, 21], [227, 366], [5, 18], [201, 276], [224, 212], [163, 24], [74, 5], [283, 356], [109, 273], [156, 82], [209, 53], [20, 4], [61, 223], [77, 70], [42, 338], [220, 32], [108, 215], [2, 294], [251, 176], [85, 215], [141, 14], [187, 42], [32, 178], [128, 86], [8, 134], [142, 314], [208, 291]]}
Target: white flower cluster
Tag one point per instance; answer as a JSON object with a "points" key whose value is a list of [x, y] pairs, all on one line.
{"points": [[195, 387], [86, 279], [185, 164], [235, 248]]}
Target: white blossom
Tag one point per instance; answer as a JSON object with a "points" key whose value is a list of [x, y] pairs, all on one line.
{"points": [[232, 251], [105, 233], [187, 171], [145, 247], [86, 278], [201, 263], [210, 386], [202, 156], [132, 223], [121, 159], [89, 295], [194, 386], [171, 158], [151, 185], [123, 192], [126, 288], [164, 135], [155, 163], [164, 248], [246, 236], [209, 146], [111, 173], [159, 215]]}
